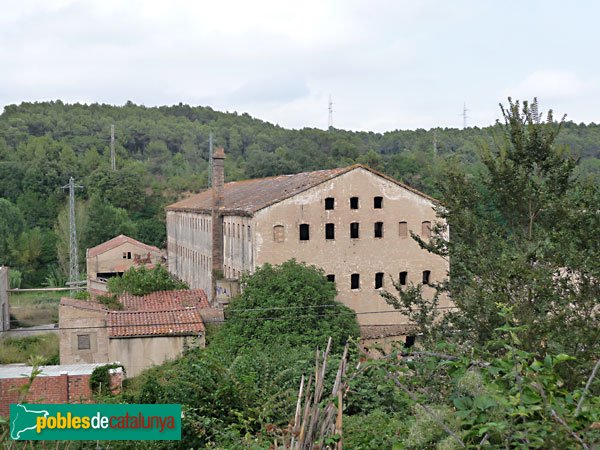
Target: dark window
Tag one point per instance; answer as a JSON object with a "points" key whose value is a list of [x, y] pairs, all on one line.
{"points": [[403, 278], [426, 276], [403, 229], [426, 229], [354, 230], [378, 229], [329, 202], [377, 202], [409, 341], [353, 202], [83, 342], [128, 255], [331, 278], [355, 281], [329, 231], [304, 232], [124, 255], [378, 280]]}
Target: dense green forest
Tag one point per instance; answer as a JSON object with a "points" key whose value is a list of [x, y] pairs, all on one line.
{"points": [[162, 154]]}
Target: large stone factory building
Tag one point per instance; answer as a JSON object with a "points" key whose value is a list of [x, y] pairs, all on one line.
{"points": [[352, 222]]}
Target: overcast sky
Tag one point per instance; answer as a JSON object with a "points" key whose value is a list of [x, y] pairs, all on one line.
{"points": [[386, 64]]}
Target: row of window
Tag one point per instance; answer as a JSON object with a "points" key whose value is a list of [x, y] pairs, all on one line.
{"points": [[379, 276], [234, 230], [304, 230], [354, 202]]}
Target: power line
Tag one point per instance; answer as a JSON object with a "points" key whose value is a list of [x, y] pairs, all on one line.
{"points": [[330, 122], [73, 252], [341, 314], [113, 160]]}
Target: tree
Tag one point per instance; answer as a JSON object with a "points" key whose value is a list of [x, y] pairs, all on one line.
{"points": [[291, 303], [511, 230], [142, 281], [11, 226], [105, 222]]}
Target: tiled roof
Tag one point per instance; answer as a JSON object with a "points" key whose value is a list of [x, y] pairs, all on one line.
{"points": [[115, 242], [184, 321], [165, 300], [249, 196]]}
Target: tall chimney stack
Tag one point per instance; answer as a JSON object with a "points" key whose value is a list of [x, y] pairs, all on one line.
{"points": [[218, 181]]}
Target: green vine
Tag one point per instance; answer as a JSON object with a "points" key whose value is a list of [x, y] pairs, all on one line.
{"points": [[100, 378]]}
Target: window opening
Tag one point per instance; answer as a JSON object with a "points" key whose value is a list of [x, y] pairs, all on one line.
{"points": [[403, 278], [353, 202], [378, 280], [426, 276], [304, 232], [377, 202], [354, 230], [329, 203], [331, 278], [329, 231], [378, 229], [355, 281]]}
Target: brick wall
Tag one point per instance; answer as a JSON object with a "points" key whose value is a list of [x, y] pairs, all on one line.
{"points": [[50, 389]]}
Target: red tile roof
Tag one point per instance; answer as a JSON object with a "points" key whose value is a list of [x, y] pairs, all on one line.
{"points": [[117, 241], [161, 313], [165, 300], [184, 321], [248, 196]]}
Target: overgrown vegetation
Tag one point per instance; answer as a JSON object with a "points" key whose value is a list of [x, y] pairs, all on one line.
{"points": [[29, 309], [21, 349], [142, 281], [100, 379]]}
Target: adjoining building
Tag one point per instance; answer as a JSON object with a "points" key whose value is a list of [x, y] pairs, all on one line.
{"points": [[4, 311], [114, 257], [148, 331], [352, 222]]}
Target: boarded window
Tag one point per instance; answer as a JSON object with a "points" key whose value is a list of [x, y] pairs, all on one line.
{"points": [[304, 232], [329, 231], [403, 278], [377, 202], [353, 202], [329, 203], [278, 233], [354, 230], [403, 229], [355, 281], [426, 276], [331, 278], [83, 342], [378, 229], [426, 229], [378, 280]]}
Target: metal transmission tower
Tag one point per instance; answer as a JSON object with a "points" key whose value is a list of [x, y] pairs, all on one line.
{"points": [[210, 159], [464, 115], [74, 255], [330, 124], [113, 160]]}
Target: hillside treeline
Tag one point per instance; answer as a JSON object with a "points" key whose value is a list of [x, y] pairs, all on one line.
{"points": [[162, 153]]}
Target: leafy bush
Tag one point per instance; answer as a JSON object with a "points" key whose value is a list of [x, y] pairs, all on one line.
{"points": [[291, 303], [142, 281]]}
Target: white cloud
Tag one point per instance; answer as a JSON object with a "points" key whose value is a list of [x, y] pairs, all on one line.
{"points": [[549, 84]]}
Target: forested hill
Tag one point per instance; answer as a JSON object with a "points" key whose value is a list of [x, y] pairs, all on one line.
{"points": [[162, 152]]}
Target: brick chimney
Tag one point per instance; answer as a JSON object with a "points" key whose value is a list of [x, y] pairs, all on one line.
{"points": [[218, 181]]}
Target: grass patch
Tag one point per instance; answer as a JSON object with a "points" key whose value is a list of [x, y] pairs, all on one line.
{"points": [[28, 309], [19, 350]]}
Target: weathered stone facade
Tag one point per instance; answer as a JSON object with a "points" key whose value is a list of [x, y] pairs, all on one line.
{"points": [[4, 312], [354, 223]]}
